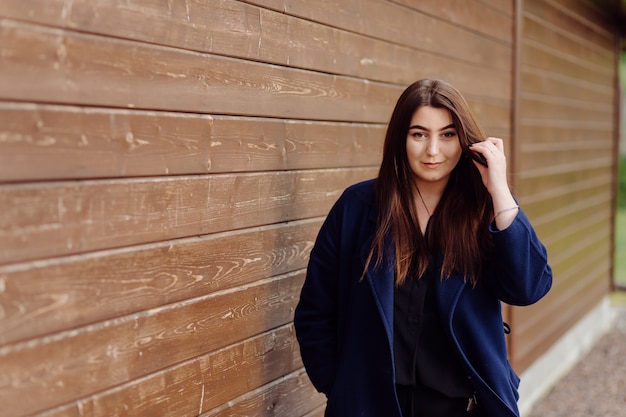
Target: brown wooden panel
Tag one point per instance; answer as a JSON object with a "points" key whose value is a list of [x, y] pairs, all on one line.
{"points": [[572, 17], [538, 107], [400, 25], [564, 164], [567, 106], [579, 259], [200, 384], [544, 128], [469, 15], [543, 189], [534, 344], [563, 312], [541, 164], [40, 142], [231, 28], [135, 75], [538, 55], [92, 70], [84, 289], [567, 43], [86, 360], [549, 84], [44, 220], [577, 249], [568, 166], [565, 218], [494, 115], [505, 6], [221, 27], [568, 250], [289, 396], [588, 261], [552, 160], [592, 133], [318, 412]]}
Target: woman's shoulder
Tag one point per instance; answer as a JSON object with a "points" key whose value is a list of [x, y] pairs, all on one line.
{"points": [[357, 198], [362, 190]]}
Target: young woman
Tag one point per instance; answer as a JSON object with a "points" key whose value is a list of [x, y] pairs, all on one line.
{"points": [[400, 312]]}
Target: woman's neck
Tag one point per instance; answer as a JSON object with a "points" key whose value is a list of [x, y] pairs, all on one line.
{"points": [[427, 196]]}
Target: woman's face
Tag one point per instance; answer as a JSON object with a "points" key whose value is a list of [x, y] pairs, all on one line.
{"points": [[432, 144]]}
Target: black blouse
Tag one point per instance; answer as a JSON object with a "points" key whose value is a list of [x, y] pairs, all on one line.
{"points": [[423, 353]]}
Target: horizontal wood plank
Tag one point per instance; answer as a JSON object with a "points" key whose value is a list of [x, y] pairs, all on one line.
{"points": [[493, 115], [42, 142], [565, 311], [537, 133], [292, 395], [80, 290], [556, 188], [83, 361], [567, 167], [198, 385], [573, 17], [55, 219], [129, 74], [236, 29], [318, 412], [537, 55], [469, 15], [83, 69], [389, 21], [538, 29], [543, 107], [550, 84], [566, 216]]}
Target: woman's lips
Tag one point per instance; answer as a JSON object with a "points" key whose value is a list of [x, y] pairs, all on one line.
{"points": [[432, 165]]}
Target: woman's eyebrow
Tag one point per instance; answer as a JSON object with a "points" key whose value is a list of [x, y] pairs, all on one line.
{"points": [[450, 126]]}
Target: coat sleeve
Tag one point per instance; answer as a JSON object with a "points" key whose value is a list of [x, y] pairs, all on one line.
{"points": [[521, 274], [316, 315]]}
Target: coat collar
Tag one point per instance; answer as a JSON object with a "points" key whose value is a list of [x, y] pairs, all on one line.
{"points": [[381, 281]]}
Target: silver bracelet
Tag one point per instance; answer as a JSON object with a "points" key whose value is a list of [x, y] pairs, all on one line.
{"points": [[506, 209]]}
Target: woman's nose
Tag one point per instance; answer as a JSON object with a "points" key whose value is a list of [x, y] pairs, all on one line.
{"points": [[433, 147]]}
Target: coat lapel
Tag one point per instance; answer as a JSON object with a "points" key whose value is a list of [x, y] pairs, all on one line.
{"points": [[448, 292], [381, 281]]}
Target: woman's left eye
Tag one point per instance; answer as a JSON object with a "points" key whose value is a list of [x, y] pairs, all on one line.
{"points": [[449, 135]]}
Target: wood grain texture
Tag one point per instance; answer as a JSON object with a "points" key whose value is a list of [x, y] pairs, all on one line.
{"points": [[43, 142], [564, 315], [86, 289], [130, 74], [291, 395], [92, 70], [235, 29], [86, 360], [541, 55], [165, 167], [365, 17], [197, 385], [549, 86], [470, 15], [574, 17], [54, 219], [564, 163]]}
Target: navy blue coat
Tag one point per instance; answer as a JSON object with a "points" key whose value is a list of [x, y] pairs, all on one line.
{"points": [[345, 326]]}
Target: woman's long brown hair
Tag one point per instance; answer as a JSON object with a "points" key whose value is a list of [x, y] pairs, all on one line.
{"points": [[457, 234]]}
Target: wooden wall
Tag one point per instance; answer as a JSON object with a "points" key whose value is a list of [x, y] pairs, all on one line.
{"points": [[565, 153], [165, 167]]}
